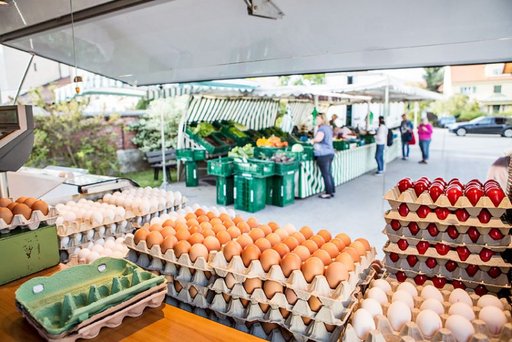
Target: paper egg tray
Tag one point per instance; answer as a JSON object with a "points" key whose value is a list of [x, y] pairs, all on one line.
{"points": [[116, 230], [296, 281], [143, 218], [80, 225], [110, 318], [411, 332], [463, 238], [37, 219], [62, 301], [451, 220], [395, 198]]}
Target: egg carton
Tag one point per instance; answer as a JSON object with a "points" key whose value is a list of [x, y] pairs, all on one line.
{"points": [[451, 220], [194, 295], [111, 317], [481, 276], [169, 256], [496, 259], [116, 230], [409, 197], [73, 260], [442, 235], [296, 281], [37, 219], [80, 225], [141, 219]]}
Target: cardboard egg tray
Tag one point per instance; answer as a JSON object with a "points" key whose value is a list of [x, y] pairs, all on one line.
{"points": [[451, 220], [463, 238], [143, 218], [116, 230], [82, 225], [63, 301], [481, 276], [395, 198], [318, 286], [410, 331], [192, 294], [36, 219]]}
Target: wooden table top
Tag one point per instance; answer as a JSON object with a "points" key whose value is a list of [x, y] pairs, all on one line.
{"points": [[159, 324]]}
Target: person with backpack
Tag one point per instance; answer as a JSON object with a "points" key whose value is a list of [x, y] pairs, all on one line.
{"points": [[406, 132], [381, 139]]}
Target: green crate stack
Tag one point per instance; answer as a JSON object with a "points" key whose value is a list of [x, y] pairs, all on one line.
{"points": [[266, 152], [340, 145], [225, 187], [222, 167], [270, 191], [255, 168], [250, 193], [191, 178], [218, 147], [189, 154], [283, 192], [281, 169], [240, 140], [307, 154]]}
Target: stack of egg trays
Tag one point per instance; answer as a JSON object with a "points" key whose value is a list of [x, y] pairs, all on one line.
{"points": [[37, 219], [77, 302], [143, 218], [410, 332], [337, 303]]}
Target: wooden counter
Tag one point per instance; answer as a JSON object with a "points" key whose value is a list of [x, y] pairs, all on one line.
{"points": [[159, 324]]}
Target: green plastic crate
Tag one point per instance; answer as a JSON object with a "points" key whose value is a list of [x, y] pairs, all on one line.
{"points": [[223, 167], [255, 168], [281, 169], [191, 178], [261, 152], [250, 193], [340, 145], [190, 154], [307, 154], [211, 144], [270, 190], [225, 187], [283, 192], [240, 140]]}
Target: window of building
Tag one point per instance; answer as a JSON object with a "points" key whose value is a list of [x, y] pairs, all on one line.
{"points": [[496, 108], [494, 69], [467, 90], [497, 89]]}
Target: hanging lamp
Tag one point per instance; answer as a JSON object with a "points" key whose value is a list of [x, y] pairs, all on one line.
{"points": [[77, 80]]}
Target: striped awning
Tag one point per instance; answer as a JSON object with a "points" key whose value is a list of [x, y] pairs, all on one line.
{"points": [[254, 113], [196, 88], [301, 112]]}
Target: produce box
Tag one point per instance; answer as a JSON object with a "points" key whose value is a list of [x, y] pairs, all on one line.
{"points": [[261, 152], [283, 191], [225, 190], [238, 136], [189, 154], [250, 193], [27, 251], [254, 168], [340, 145], [223, 167], [282, 169]]}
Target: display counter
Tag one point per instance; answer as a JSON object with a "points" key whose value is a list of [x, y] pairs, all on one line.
{"points": [[159, 324], [347, 165]]}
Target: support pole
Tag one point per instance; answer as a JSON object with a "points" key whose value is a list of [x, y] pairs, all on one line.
{"points": [[23, 79], [416, 111], [162, 138], [386, 99]]}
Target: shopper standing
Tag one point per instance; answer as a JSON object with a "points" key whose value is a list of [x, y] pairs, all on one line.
{"points": [[406, 132], [324, 154], [425, 136], [381, 138], [332, 122]]}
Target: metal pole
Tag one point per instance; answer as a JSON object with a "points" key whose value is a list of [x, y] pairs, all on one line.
{"points": [[386, 98], [162, 138], [416, 110], [23, 79], [4, 185]]}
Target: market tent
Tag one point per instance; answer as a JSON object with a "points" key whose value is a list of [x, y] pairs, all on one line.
{"points": [[225, 88]]}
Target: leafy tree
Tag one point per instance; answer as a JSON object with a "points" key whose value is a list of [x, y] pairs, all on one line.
{"points": [[458, 105], [434, 78], [306, 79]]}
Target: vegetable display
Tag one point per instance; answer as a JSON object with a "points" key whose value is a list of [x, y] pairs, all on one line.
{"points": [[204, 129], [272, 141], [282, 157], [242, 152]]}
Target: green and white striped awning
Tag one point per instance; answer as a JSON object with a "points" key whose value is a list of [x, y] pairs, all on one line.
{"points": [[301, 112], [197, 88], [254, 113]]}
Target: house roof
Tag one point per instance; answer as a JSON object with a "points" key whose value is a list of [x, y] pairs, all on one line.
{"points": [[474, 73]]}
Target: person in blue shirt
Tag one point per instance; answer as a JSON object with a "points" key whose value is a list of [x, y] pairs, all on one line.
{"points": [[324, 154], [406, 132]]}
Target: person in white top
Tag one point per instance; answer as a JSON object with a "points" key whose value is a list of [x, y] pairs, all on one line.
{"points": [[501, 171], [381, 139]]}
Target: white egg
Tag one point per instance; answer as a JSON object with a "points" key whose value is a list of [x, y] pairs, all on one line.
{"points": [[96, 218], [60, 207], [70, 203], [489, 300], [177, 197], [120, 240], [494, 318], [398, 314], [69, 216], [98, 248], [92, 256], [363, 323], [404, 297], [372, 306], [377, 294], [83, 254], [90, 234], [77, 238], [231, 212], [155, 220], [188, 209], [101, 231], [431, 292], [223, 210], [120, 248], [117, 254], [64, 241], [382, 284], [164, 217], [408, 287], [459, 295], [107, 197], [462, 309], [59, 221], [107, 252], [144, 207], [100, 242], [461, 328], [434, 305], [429, 323], [109, 244]]}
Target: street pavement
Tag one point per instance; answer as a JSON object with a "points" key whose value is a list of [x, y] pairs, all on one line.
{"points": [[358, 207]]}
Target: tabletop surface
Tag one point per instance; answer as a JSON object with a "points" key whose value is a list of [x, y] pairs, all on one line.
{"points": [[166, 323]]}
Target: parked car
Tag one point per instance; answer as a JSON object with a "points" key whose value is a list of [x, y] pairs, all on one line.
{"points": [[484, 125], [446, 121]]}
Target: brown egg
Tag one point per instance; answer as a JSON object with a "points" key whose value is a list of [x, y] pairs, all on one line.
{"points": [[347, 260], [177, 286], [140, 234], [192, 291], [211, 243], [250, 284], [208, 232], [345, 238], [169, 223], [285, 313], [12, 205], [203, 218], [199, 212], [263, 244], [273, 225], [311, 245], [243, 226], [226, 297], [318, 240], [250, 253], [325, 234], [269, 258], [306, 320], [307, 232], [237, 219], [273, 238], [264, 307], [252, 222], [289, 263], [282, 249], [168, 243], [256, 234], [22, 209], [354, 253], [335, 273], [167, 231], [271, 287], [21, 199], [210, 215], [192, 222], [312, 267], [4, 202], [268, 327], [6, 215], [359, 247], [181, 247], [266, 229], [314, 303], [218, 228], [330, 327], [291, 242], [244, 302], [196, 238], [244, 240], [231, 249], [291, 296], [365, 242], [302, 252], [223, 216], [154, 227], [154, 238], [223, 237], [283, 234], [205, 225], [331, 248], [194, 229], [30, 201], [299, 237], [234, 232], [322, 255], [339, 243], [198, 250], [182, 234], [180, 226]]}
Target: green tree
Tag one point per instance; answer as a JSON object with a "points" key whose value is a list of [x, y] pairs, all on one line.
{"points": [[306, 79], [458, 105], [434, 78]]}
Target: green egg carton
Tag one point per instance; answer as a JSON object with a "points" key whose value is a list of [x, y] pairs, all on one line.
{"points": [[62, 301]]}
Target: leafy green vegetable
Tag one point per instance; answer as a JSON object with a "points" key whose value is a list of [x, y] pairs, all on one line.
{"points": [[242, 152], [204, 129]]}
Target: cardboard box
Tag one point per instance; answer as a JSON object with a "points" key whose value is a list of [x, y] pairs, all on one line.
{"points": [[24, 252]]}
